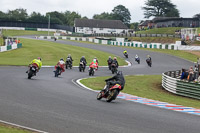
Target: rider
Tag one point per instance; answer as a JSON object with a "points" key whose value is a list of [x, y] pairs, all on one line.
{"points": [[69, 57], [136, 57], [149, 58], [117, 79], [84, 60], [110, 60], [61, 63], [94, 64], [36, 62], [115, 62], [125, 52]]}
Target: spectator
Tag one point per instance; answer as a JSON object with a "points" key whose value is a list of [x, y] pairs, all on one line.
{"points": [[183, 75], [191, 74], [195, 72]]}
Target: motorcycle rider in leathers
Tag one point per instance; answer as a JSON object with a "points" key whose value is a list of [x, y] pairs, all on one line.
{"points": [[117, 79]]}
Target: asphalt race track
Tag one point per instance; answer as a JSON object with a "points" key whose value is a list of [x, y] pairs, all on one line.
{"points": [[57, 105]]}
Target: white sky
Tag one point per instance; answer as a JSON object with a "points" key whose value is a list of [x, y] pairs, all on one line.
{"points": [[90, 7]]}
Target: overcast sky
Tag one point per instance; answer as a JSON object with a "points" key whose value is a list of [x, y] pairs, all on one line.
{"points": [[90, 7]]}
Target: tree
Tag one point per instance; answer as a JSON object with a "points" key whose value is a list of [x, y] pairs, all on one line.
{"points": [[160, 8], [134, 26], [56, 17], [197, 16], [70, 17], [120, 12], [18, 14], [103, 15], [37, 17]]}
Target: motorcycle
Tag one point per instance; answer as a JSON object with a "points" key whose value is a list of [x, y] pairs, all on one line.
{"points": [[113, 68], [57, 71], [110, 93], [149, 62], [91, 71], [32, 71], [68, 63], [137, 60], [126, 55], [81, 66]]}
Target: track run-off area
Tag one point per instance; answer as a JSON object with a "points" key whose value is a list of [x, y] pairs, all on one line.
{"points": [[58, 105]]}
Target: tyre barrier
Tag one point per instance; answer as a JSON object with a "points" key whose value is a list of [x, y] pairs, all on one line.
{"points": [[171, 83]]}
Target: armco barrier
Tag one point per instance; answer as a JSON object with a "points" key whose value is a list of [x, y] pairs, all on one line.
{"points": [[172, 83]]}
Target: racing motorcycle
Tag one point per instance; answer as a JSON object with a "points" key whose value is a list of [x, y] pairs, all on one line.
{"points": [[32, 71], [110, 93], [149, 62], [57, 71], [68, 63], [113, 68], [137, 60], [91, 71], [81, 66], [126, 55]]}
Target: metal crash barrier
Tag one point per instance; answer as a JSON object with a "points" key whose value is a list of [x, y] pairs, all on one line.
{"points": [[172, 83]]}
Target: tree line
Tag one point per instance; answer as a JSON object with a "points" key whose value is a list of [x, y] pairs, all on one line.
{"points": [[152, 8]]}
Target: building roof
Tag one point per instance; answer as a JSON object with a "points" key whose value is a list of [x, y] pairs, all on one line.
{"points": [[145, 23], [95, 23]]}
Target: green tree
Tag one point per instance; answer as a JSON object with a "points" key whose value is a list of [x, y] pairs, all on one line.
{"points": [[56, 17], [2, 15], [160, 8], [120, 12], [70, 17], [197, 16], [134, 26], [103, 15], [37, 17], [18, 14]]}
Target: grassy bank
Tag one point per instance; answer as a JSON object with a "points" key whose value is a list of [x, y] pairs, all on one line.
{"points": [[24, 32], [50, 53], [10, 129], [163, 40], [148, 86], [168, 30]]}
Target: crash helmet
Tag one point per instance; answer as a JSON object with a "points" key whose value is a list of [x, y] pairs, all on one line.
{"points": [[39, 58], [61, 59], [115, 58]]}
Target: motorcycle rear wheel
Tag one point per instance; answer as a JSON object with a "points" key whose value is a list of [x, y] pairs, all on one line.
{"points": [[112, 95]]}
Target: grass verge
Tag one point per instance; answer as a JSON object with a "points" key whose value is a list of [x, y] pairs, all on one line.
{"points": [[25, 32], [50, 53], [168, 30], [148, 86], [11, 129], [163, 40]]}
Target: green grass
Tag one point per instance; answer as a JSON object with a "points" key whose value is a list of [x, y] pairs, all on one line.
{"points": [[50, 53], [24, 32], [1, 41], [11, 129], [168, 30], [162, 40], [148, 86]]}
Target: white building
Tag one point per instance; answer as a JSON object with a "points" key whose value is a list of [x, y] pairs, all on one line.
{"points": [[91, 26]]}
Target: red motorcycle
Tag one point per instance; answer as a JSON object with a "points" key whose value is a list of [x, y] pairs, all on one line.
{"points": [[110, 94]]}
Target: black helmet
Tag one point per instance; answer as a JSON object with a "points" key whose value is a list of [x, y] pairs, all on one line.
{"points": [[119, 72], [61, 59]]}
